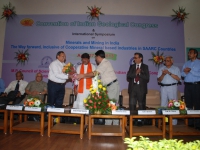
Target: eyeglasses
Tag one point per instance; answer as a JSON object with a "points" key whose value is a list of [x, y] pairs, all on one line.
{"points": [[167, 60]]}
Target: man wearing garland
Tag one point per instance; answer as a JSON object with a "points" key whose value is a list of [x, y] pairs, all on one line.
{"points": [[82, 90]]}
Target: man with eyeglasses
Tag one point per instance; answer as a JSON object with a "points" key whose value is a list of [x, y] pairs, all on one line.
{"points": [[191, 74], [37, 88], [138, 77], [56, 81], [168, 78]]}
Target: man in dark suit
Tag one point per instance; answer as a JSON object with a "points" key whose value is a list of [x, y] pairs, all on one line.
{"points": [[138, 77]]}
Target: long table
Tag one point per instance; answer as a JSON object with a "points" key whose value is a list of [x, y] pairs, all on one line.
{"points": [[146, 130], [4, 122], [106, 130], [34, 126], [181, 129], [63, 127]]}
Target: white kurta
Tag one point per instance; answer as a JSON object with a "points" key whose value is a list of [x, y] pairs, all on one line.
{"points": [[81, 96]]}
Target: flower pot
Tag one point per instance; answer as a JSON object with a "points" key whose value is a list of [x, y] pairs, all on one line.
{"points": [[97, 112]]}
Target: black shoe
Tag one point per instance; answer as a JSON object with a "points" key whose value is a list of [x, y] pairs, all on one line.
{"points": [[198, 128], [191, 125], [139, 123]]}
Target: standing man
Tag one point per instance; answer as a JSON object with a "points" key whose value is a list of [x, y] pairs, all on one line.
{"points": [[37, 88], [83, 84], [138, 77], [191, 74], [168, 77], [108, 78], [15, 91], [56, 82]]}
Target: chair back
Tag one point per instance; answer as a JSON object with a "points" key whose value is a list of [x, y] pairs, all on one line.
{"points": [[125, 101], [153, 99], [66, 100]]}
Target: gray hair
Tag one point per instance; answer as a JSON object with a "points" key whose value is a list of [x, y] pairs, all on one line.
{"points": [[170, 57]]}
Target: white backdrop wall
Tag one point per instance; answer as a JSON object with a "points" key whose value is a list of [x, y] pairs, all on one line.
{"points": [[114, 7]]}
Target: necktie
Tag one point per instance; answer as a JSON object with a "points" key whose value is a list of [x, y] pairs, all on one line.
{"points": [[137, 77], [17, 86]]}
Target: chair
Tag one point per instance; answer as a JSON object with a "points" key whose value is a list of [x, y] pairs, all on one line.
{"points": [[125, 95], [68, 92], [153, 98], [179, 95]]}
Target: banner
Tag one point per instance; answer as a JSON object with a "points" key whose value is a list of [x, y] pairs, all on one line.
{"points": [[120, 36]]}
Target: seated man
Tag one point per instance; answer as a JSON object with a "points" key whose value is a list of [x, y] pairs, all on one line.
{"points": [[37, 88], [2, 86], [15, 91]]}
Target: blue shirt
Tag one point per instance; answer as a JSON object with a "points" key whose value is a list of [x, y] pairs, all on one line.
{"points": [[194, 74], [167, 78], [2, 85]]}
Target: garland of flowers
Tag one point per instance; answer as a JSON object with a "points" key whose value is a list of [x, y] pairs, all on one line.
{"points": [[157, 59], [95, 12], [8, 11], [180, 14]]}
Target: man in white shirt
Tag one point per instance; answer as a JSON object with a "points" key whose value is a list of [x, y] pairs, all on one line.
{"points": [[57, 80], [15, 91], [83, 84]]}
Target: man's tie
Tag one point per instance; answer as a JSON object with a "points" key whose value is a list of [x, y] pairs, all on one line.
{"points": [[17, 86], [137, 77]]}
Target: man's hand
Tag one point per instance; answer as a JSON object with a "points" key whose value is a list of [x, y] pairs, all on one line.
{"points": [[138, 71], [4, 95], [70, 76], [165, 72], [187, 70], [18, 94], [34, 93], [79, 76]]}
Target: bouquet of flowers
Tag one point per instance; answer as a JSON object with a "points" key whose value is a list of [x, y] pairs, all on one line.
{"points": [[180, 14], [157, 59], [177, 105], [22, 56], [33, 102], [94, 12], [97, 101], [8, 11], [70, 69]]}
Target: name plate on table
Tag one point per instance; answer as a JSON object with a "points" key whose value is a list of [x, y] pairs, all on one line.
{"points": [[170, 112], [55, 110], [120, 112], [193, 112], [79, 111], [14, 107], [32, 108], [146, 112]]}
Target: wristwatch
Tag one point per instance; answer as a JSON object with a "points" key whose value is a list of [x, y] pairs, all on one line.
{"points": [[170, 73], [40, 93]]}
